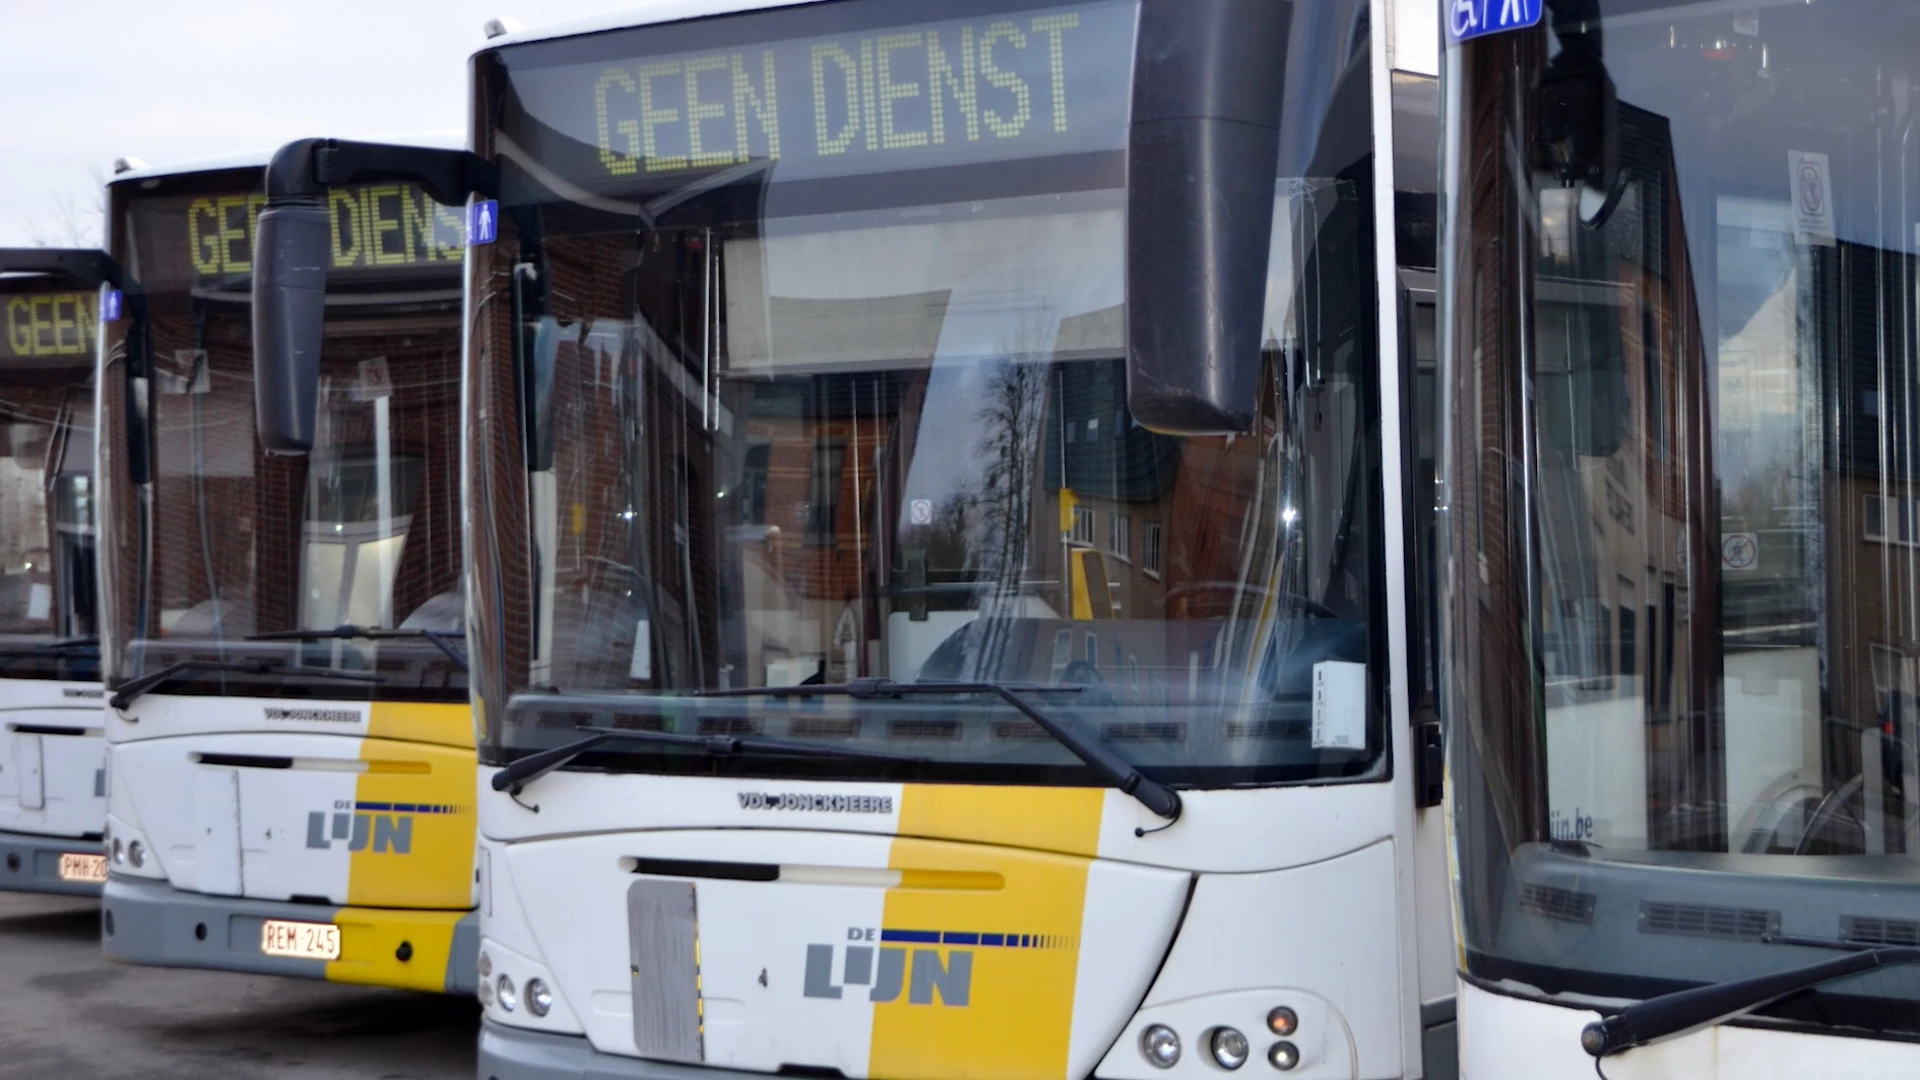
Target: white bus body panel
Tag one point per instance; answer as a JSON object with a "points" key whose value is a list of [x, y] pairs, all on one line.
{"points": [[1255, 898], [51, 783], [1507, 1038]]}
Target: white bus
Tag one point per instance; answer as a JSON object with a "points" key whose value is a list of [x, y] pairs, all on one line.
{"points": [[943, 537], [52, 753], [292, 761], [1683, 397]]}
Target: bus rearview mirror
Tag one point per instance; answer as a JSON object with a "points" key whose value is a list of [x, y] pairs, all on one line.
{"points": [[1204, 144], [291, 245]]}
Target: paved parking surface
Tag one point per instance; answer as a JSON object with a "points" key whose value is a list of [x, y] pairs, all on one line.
{"points": [[67, 1013]]}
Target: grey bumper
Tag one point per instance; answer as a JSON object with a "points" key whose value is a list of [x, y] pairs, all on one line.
{"points": [[516, 1054], [153, 924], [31, 863]]}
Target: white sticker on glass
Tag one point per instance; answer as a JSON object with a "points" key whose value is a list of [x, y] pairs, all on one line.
{"points": [[1339, 705], [640, 667]]}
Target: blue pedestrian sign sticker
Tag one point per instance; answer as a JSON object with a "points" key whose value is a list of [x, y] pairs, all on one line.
{"points": [[110, 306], [483, 219], [1469, 19]]}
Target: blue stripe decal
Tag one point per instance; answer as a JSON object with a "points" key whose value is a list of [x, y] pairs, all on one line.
{"points": [[974, 938]]}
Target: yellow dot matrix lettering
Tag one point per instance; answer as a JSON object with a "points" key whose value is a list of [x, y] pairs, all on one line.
{"points": [[61, 344], [764, 107], [41, 324], [866, 93], [619, 163], [416, 224], [890, 91], [701, 157], [19, 337], [204, 242], [343, 226], [88, 308], [380, 225], [232, 232], [652, 117], [834, 144], [1054, 26], [1005, 127], [962, 85]]}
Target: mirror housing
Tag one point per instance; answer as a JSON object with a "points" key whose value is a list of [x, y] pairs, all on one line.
{"points": [[1204, 144], [291, 248]]}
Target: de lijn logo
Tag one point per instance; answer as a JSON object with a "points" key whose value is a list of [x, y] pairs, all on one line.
{"points": [[376, 826], [923, 963]]}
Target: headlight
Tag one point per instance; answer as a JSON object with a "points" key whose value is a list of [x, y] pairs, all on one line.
{"points": [[1229, 1048], [137, 854], [509, 997], [1283, 1056], [119, 851], [1160, 1046], [539, 997], [484, 966]]}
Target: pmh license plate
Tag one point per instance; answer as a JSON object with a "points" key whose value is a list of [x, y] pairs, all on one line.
{"points": [[88, 868], [300, 940]]}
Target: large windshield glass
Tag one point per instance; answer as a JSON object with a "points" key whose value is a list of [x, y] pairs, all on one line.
{"points": [[1684, 399], [213, 541], [47, 561], [799, 359]]}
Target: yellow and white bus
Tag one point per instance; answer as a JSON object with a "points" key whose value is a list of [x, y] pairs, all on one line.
{"points": [[946, 544], [291, 749], [52, 753], [1683, 430]]}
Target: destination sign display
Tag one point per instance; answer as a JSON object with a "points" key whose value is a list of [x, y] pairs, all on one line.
{"points": [[384, 228], [1010, 85], [49, 325]]}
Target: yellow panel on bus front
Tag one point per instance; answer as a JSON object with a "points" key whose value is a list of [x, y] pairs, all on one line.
{"points": [[412, 827]]}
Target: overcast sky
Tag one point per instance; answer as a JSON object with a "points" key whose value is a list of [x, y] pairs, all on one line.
{"points": [[83, 82]]}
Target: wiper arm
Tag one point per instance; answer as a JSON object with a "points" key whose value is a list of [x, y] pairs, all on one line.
{"points": [[134, 688], [1683, 1011], [349, 632], [1117, 771], [523, 771], [41, 650]]}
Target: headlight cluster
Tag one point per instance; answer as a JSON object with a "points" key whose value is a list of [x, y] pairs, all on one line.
{"points": [[1227, 1047], [504, 992]]}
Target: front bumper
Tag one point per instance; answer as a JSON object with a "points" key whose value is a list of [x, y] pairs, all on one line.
{"points": [[30, 863], [508, 1053], [154, 924]]}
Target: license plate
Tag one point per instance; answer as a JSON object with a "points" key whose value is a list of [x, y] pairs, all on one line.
{"points": [[88, 868], [300, 940]]}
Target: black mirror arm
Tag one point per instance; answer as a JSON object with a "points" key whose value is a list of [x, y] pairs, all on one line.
{"points": [[304, 169]]}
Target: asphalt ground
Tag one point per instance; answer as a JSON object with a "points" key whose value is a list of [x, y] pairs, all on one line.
{"points": [[69, 1013]]}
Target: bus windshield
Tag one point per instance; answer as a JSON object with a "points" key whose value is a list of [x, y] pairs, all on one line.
{"points": [[47, 563], [226, 543], [799, 359], [1685, 401]]}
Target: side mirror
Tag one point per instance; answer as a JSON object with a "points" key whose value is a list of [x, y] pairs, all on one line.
{"points": [[1209, 82], [291, 248]]}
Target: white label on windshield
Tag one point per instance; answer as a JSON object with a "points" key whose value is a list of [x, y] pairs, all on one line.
{"points": [[39, 601], [1339, 705], [1812, 197], [641, 666]]}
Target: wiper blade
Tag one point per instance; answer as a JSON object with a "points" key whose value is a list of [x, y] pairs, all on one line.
{"points": [[349, 632], [134, 688], [44, 649], [1116, 770], [1683, 1011], [523, 771]]}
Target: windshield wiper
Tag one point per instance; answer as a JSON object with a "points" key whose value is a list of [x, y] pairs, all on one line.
{"points": [[1683, 1011], [1117, 771], [523, 771], [41, 650], [349, 632], [134, 688]]}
